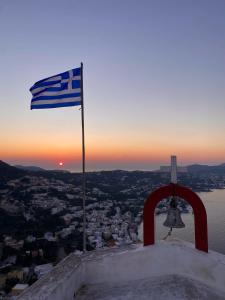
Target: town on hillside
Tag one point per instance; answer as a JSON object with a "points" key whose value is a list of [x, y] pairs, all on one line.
{"points": [[42, 215]]}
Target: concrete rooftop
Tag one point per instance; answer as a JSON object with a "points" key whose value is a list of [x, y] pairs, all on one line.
{"points": [[169, 287], [167, 270]]}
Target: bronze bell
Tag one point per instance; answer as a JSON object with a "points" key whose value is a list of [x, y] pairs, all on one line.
{"points": [[173, 219]]}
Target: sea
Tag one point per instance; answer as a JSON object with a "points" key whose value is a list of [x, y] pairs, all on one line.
{"points": [[214, 202]]}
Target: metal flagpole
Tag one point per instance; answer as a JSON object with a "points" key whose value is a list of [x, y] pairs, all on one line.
{"points": [[83, 162]]}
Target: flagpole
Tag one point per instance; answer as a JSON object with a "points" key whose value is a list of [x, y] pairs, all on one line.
{"points": [[83, 162]]}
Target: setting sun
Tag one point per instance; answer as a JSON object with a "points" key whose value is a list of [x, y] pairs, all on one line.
{"points": [[60, 163]]}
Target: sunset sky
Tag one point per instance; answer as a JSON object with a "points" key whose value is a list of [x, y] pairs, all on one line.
{"points": [[154, 82]]}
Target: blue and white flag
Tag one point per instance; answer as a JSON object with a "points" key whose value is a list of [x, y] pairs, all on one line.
{"points": [[57, 91]]}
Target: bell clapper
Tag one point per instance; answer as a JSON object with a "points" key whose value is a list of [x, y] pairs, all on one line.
{"points": [[168, 234]]}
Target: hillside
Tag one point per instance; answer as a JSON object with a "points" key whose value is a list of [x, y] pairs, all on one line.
{"points": [[196, 168], [8, 172], [30, 168]]}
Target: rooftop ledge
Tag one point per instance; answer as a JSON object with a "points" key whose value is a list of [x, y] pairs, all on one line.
{"points": [[167, 270]]}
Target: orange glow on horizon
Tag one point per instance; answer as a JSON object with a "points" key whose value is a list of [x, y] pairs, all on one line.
{"points": [[120, 149], [160, 156]]}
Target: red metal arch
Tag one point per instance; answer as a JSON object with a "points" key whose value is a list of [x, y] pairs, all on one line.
{"points": [[200, 217]]}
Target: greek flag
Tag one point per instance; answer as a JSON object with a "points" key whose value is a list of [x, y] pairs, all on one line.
{"points": [[60, 90]]}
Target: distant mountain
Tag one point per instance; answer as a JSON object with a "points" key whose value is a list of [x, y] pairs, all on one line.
{"points": [[30, 168], [196, 168], [8, 172], [38, 169]]}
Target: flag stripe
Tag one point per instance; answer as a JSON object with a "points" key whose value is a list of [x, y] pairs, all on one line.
{"points": [[57, 93], [44, 84], [64, 104], [44, 88], [54, 78], [69, 95], [54, 88], [78, 99]]}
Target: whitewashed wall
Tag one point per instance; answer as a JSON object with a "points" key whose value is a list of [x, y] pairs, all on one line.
{"points": [[127, 264], [61, 283]]}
